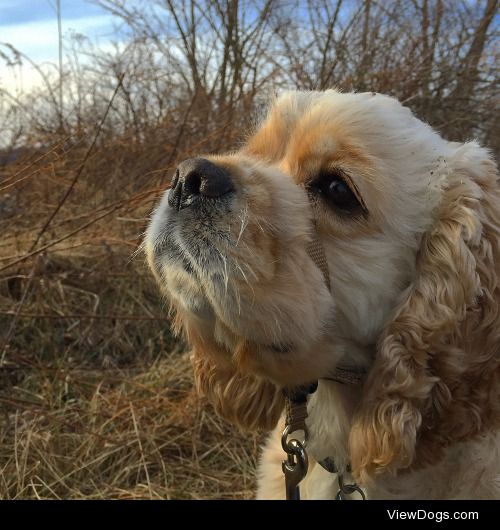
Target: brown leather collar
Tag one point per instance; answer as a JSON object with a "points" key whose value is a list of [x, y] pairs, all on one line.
{"points": [[347, 376], [317, 254]]}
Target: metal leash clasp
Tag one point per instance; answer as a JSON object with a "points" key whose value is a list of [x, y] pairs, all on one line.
{"points": [[347, 489], [296, 464]]}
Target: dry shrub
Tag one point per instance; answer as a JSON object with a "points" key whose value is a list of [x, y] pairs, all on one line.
{"points": [[96, 395]]}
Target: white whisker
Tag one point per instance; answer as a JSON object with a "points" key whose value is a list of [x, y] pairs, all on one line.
{"points": [[244, 223]]}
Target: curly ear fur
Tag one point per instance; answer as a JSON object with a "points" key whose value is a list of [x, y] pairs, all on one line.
{"points": [[243, 399], [436, 376]]}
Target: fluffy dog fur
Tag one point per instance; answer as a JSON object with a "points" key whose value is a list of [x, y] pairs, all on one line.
{"points": [[414, 296]]}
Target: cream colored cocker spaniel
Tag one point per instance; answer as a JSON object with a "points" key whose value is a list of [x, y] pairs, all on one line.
{"points": [[409, 224]]}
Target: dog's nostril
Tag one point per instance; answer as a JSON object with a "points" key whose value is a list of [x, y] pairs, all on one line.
{"points": [[198, 177], [192, 183]]}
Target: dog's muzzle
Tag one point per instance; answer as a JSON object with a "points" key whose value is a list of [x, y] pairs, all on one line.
{"points": [[198, 179]]}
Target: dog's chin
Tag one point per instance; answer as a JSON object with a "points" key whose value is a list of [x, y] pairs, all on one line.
{"points": [[287, 351], [276, 350]]}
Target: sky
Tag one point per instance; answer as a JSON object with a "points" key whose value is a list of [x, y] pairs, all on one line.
{"points": [[31, 27]]}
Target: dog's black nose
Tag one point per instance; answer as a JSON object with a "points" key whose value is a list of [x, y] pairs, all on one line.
{"points": [[195, 178]]}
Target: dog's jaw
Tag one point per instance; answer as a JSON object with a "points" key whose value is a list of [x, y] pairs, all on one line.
{"points": [[241, 263]]}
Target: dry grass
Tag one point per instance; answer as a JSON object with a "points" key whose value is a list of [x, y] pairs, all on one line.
{"points": [[119, 433], [96, 395]]}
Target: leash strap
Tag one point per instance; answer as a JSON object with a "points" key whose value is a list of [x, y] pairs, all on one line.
{"points": [[296, 464]]}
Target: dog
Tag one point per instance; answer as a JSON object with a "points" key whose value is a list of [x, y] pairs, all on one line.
{"points": [[404, 288]]}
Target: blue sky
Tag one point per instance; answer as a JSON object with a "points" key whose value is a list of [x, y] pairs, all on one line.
{"points": [[31, 27], [22, 11]]}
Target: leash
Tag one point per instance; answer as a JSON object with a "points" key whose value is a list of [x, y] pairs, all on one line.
{"points": [[296, 464]]}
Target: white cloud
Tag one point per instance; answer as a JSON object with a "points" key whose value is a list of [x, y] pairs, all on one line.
{"points": [[39, 41]]}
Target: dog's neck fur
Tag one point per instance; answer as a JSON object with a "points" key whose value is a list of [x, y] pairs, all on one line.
{"points": [[329, 426]]}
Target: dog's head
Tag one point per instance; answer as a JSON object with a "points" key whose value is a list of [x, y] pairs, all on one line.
{"points": [[410, 237]]}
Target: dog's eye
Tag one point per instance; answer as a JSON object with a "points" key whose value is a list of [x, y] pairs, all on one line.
{"points": [[340, 194], [281, 348], [333, 187]]}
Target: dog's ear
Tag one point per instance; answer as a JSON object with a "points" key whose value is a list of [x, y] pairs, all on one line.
{"points": [[246, 400], [436, 375]]}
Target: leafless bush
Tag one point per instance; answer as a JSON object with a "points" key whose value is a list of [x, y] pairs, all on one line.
{"points": [[195, 67]]}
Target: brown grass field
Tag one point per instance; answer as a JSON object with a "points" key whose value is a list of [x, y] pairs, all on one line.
{"points": [[96, 395]]}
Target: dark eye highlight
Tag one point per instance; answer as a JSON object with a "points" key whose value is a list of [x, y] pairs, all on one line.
{"points": [[338, 192]]}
